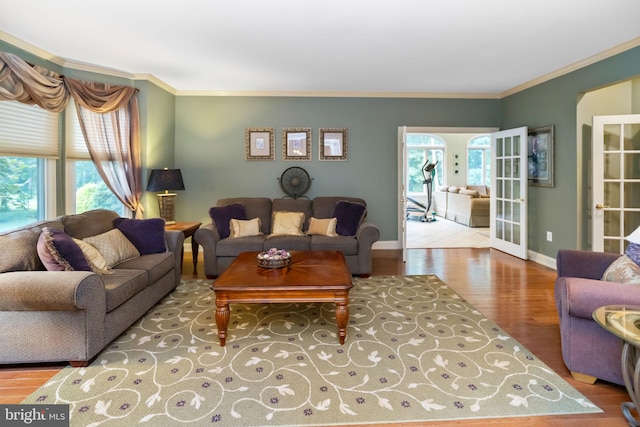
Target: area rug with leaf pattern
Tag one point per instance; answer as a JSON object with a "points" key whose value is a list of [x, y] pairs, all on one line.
{"points": [[415, 351]]}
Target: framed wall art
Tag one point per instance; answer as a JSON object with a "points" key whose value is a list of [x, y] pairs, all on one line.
{"points": [[296, 144], [333, 144], [259, 144], [540, 157]]}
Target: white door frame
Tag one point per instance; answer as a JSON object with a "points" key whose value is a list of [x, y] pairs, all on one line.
{"points": [[402, 130]]}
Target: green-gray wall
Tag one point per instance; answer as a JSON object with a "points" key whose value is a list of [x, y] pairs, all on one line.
{"points": [[210, 146], [555, 103], [204, 136]]}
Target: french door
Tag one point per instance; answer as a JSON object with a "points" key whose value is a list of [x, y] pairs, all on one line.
{"points": [[508, 229], [615, 181]]}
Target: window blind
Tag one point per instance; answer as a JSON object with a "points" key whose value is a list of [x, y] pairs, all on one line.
{"points": [[28, 131]]}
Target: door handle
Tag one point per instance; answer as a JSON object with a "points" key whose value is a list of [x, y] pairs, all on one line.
{"points": [[601, 206]]}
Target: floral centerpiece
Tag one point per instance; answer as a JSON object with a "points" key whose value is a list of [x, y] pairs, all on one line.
{"points": [[274, 258]]}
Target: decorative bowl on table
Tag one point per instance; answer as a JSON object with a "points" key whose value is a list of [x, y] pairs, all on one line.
{"points": [[274, 258]]}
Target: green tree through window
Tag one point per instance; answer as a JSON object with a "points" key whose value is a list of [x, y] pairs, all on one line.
{"points": [[420, 148], [479, 160]]}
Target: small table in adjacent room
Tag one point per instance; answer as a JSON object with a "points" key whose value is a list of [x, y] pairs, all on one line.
{"points": [[624, 322], [188, 229], [313, 276]]}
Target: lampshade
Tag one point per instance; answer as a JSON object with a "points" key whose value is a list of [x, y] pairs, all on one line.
{"points": [[165, 179]]}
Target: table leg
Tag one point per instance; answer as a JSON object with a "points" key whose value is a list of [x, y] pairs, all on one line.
{"points": [[222, 319], [631, 369], [342, 316], [194, 251]]}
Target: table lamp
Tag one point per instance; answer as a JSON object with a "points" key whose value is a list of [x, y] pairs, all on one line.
{"points": [[165, 180]]}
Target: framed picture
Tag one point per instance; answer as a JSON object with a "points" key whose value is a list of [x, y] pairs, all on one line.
{"points": [[259, 144], [540, 157], [296, 144], [333, 144]]}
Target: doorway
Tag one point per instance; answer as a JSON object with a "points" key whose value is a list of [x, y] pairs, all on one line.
{"points": [[453, 170]]}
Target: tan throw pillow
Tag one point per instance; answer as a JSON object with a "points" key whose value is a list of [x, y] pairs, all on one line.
{"points": [[323, 227], [287, 223], [472, 193], [623, 270], [113, 246], [244, 227], [96, 261], [454, 189]]}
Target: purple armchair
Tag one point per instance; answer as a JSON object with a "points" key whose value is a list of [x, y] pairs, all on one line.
{"points": [[588, 350]]}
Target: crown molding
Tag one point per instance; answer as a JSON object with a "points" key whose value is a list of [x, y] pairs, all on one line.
{"points": [[340, 94], [573, 67], [81, 66]]}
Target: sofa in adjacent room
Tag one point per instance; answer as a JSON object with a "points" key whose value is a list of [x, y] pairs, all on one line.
{"points": [[245, 224], [468, 205], [70, 285]]}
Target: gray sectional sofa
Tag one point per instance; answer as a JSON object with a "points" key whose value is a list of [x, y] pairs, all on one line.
{"points": [[219, 252], [70, 316]]}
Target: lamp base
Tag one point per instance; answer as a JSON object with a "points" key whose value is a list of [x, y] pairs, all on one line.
{"points": [[167, 203]]}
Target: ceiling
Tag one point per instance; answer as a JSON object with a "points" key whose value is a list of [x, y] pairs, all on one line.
{"points": [[454, 47]]}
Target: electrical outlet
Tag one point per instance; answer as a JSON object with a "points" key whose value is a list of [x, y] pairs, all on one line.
{"points": [[549, 236]]}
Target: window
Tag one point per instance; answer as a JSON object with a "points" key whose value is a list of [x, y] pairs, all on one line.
{"points": [[420, 148], [85, 188], [479, 160], [28, 153]]}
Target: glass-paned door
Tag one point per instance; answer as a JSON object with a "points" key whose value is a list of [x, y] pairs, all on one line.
{"points": [[509, 192], [616, 181]]}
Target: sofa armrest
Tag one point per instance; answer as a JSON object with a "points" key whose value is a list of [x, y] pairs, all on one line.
{"points": [[52, 291], [175, 244], [579, 297], [367, 235], [207, 236], [585, 264]]}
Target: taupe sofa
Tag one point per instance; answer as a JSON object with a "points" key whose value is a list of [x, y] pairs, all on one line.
{"points": [[54, 316], [467, 205], [219, 252]]}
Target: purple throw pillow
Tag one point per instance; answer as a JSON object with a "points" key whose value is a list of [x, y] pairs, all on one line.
{"points": [[58, 251], [349, 216], [147, 235], [222, 215], [633, 252]]}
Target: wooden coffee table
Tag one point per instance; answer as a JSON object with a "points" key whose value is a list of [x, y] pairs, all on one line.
{"points": [[313, 276]]}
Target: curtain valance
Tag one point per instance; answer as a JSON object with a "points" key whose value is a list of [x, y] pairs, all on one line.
{"points": [[108, 115]]}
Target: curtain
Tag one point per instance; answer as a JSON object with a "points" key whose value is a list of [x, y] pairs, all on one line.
{"points": [[108, 118], [108, 115]]}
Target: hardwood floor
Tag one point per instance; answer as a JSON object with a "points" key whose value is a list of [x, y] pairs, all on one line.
{"points": [[516, 294]]}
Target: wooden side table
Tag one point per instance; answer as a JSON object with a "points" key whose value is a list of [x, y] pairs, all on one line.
{"points": [[188, 229]]}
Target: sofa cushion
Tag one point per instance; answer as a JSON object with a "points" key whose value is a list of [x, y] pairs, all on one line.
{"points": [[222, 216], [623, 270], [345, 244], [147, 235], [122, 286], [349, 215], [90, 223], [58, 251], [287, 223], [113, 246], [323, 226], [156, 265], [254, 207], [96, 261], [23, 255], [244, 227], [233, 247], [288, 242], [467, 192]]}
